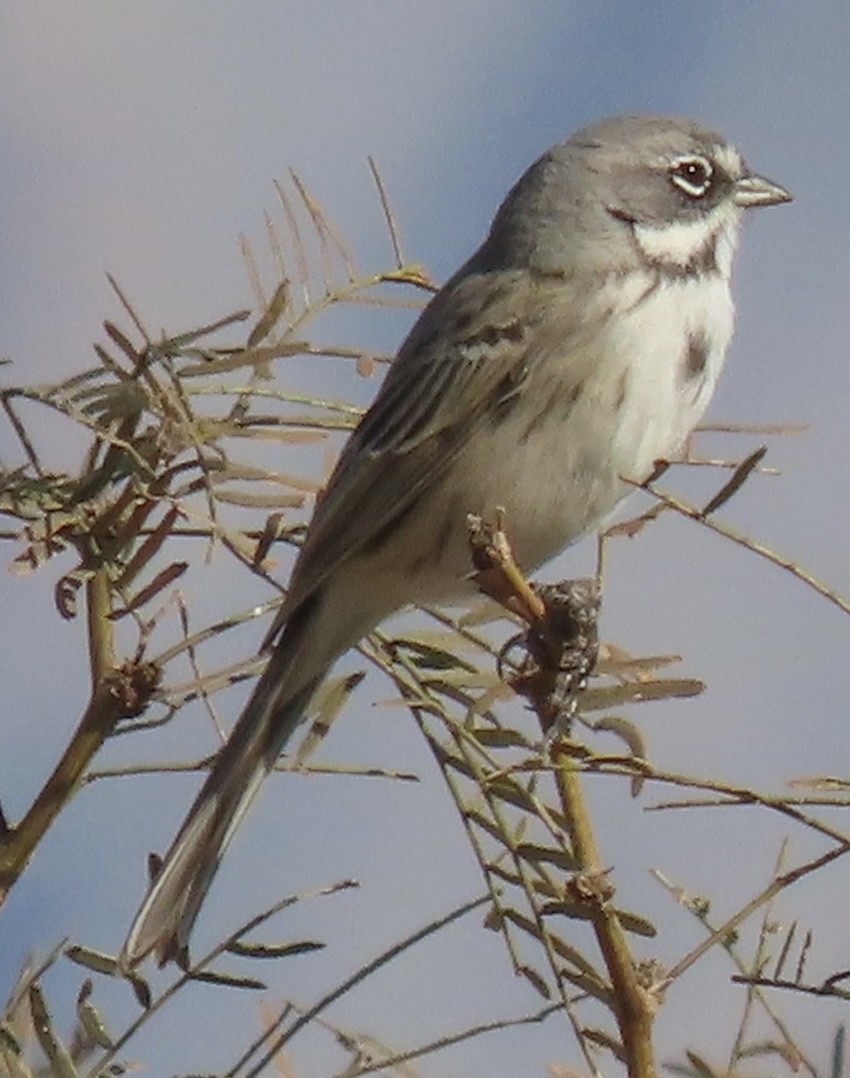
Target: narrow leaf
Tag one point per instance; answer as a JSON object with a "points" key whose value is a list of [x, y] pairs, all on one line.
{"points": [[141, 989], [535, 980], [56, 1052], [229, 980], [562, 859], [249, 500], [158, 584], [499, 737], [276, 306], [503, 873], [274, 950], [838, 1051], [89, 1018], [148, 548], [98, 961], [605, 1040], [702, 1069]]}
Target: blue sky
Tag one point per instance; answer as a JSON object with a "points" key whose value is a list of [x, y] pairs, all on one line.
{"points": [[141, 139]]}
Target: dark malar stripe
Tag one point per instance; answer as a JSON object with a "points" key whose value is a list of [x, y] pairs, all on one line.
{"points": [[701, 264]]}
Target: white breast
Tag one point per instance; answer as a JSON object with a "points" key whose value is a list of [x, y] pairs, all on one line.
{"points": [[653, 346], [636, 404], [601, 411]]}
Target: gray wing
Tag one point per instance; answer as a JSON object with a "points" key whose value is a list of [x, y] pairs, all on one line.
{"points": [[472, 349]]}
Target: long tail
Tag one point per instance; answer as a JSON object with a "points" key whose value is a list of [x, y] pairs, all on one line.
{"points": [[165, 918]]}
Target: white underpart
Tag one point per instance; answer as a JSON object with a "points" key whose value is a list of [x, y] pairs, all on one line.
{"points": [[639, 402], [652, 343]]}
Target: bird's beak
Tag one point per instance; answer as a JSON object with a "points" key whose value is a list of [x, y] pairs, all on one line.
{"points": [[755, 190]]}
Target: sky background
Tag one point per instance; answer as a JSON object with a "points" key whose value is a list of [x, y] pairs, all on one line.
{"points": [[141, 139]]}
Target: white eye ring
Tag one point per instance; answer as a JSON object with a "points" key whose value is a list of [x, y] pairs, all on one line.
{"points": [[692, 175]]}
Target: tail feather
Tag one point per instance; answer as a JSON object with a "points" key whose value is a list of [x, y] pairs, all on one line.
{"points": [[166, 916]]}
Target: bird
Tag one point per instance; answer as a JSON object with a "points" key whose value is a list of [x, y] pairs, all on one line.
{"points": [[576, 348]]}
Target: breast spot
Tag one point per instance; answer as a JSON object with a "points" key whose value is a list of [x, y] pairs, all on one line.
{"points": [[696, 357]]}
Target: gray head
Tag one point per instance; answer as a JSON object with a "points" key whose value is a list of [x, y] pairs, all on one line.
{"points": [[663, 190]]}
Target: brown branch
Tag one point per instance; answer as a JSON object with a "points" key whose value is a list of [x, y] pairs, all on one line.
{"points": [[635, 1004], [117, 693], [562, 648], [99, 628]]}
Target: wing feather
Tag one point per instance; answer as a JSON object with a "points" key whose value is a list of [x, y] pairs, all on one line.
{"points": [[470, 352]]}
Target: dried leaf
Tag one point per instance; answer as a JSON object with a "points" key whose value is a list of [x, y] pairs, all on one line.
{"points": [[158, 584], [148, 548], [233, 471], [838, 1052], [113, 401], [491, 827], [365, 365], [701, 1068], [601, 698], [229, 980], [12, 1054], [535, 980], [449, 758], [254, 357], [582, 911], [632, 735], [563, 949], [513, 794], [56, 1052], [271, 315], [271, 533], [249, 500], [550, 855], [330, 701], [282, 432], [8, 1041], [500, 737], [604, 1040], [591, 985], [503, 873], [429, 657], [141, 989], [98, 961], [787, 1052], [89, 1018], [123, 342], [65, 592], [494, 920], [42, 547], [738, 478], [274, 950]]}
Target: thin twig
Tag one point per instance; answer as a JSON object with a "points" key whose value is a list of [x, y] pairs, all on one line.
{"points": [[270, 1050], [779, 883], [388, 213], [692, 512]]}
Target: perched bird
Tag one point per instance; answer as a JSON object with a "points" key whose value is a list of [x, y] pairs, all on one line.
{"points": [[578, 346]]}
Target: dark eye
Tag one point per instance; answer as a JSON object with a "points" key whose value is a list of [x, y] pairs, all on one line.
{"points": [[692, 175]]}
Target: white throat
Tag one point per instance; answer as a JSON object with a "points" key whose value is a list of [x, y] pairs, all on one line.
{"points": [[681, 243]]}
